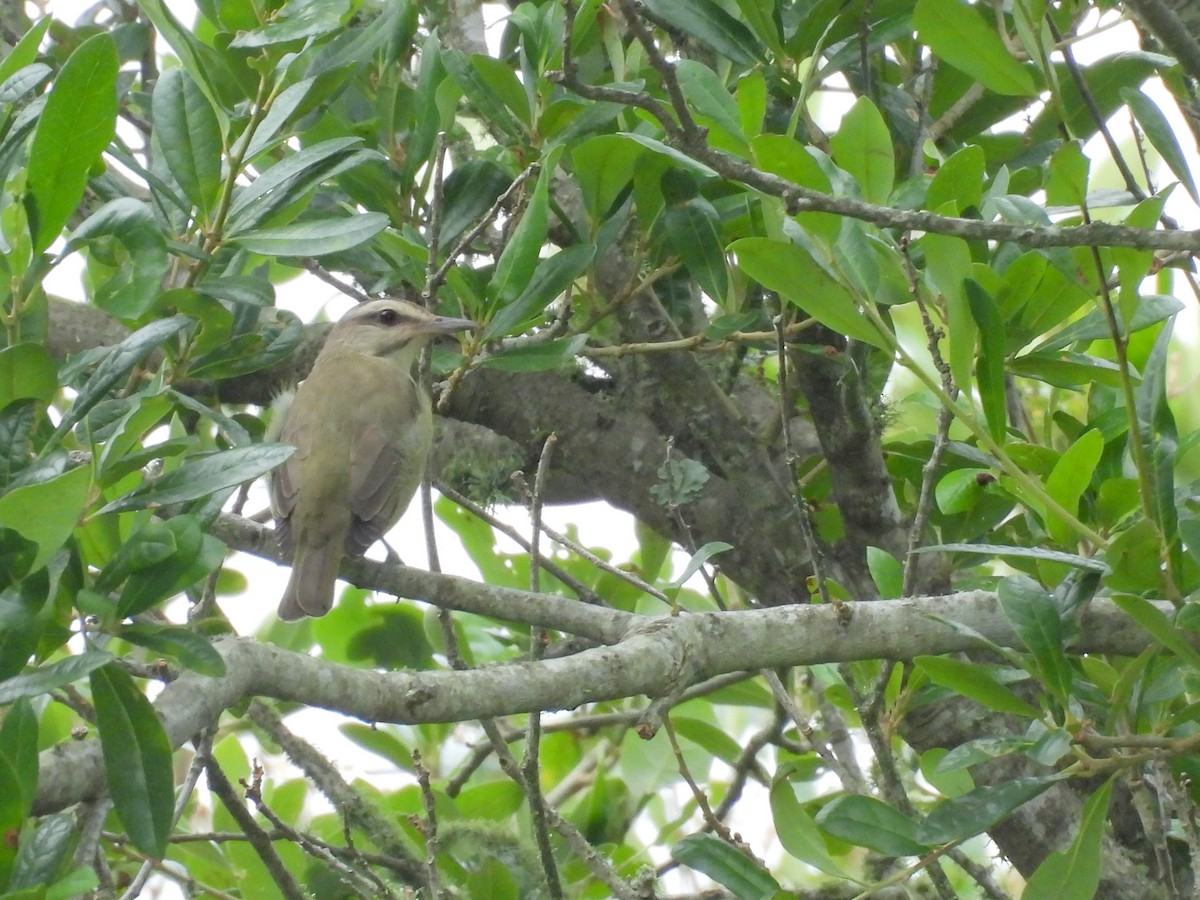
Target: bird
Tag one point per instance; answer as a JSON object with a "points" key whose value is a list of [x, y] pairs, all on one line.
{"points": [[362, 428]]}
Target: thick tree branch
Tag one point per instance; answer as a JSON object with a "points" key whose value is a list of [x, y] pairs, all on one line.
{"points": [[655, 657]]}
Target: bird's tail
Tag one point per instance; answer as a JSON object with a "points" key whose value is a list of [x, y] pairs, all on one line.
{"points": [[309, 591]]}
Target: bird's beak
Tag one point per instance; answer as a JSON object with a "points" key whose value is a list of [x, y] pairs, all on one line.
{"points": [[447, 325]]}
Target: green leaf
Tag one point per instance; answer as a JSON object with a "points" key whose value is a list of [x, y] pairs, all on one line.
{"points": [[973, 681], [959, 181], [137, 759], [519, 258], [1151, 309], [980, 809], [1034, 616], [866, 822], [604, 167], [744, 877], [25, 51], [41, 854], [796, 276], [1161, 136], [712, 25], [1074, 873], [189, 137], [989, 369], [863, 147], [670, 153], [195, 557], [711, 738], [468, 193], [1159, 627], [699, 558], [315, 237], [1074, 371], [481, 93], [295, 21], [1089, 563], [1067, 177], [693, 232], [117, 365], [958, 34], [948, 264], [1070, 478], [47, 512], [130, 291], [206, 66], [73, 128], [502, 83], [288, 180], [887, 573], [553, 276], [202, 476], [960, 490], [192, 650], [19, 748], [706, 92], [538, 357], [47, 678], [27, 371], [797, 831]]}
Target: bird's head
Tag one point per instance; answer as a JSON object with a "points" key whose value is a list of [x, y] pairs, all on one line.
{"points": [[390, 329]]}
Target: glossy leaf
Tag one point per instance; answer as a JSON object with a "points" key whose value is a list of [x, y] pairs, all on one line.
{"points": [[958, 181], [1034, 615], [977, 810], [47, 512], [189, 136], [117, 365], [710, 99], [137, 759], [538, 357], [1158, 626], [867, 822], [131, 291], [552, 278], [796, 276], [295, 21], [519, 259], [54, 675], [76, 124], [973, 681], [693, 232], [19, 748], [863, 147], [1074, 873], [958, 34], [710, 24], [1071, 476], [1162, 137], [27, 372], [887, 572], [192, 650], [745, 878], [201, 476], [315, 237], [989, 368], [797, 831]]}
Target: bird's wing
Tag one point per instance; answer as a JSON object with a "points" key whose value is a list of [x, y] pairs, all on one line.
{"points": [[377, 463], [284, 484]]}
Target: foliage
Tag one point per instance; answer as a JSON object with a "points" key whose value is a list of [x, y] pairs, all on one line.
{"points": [[847, 300]]}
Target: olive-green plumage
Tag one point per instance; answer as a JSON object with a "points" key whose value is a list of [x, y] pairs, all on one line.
{"points": [[362, 428]]}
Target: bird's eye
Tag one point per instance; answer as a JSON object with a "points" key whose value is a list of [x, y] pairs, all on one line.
{"points": [[388, 317]]}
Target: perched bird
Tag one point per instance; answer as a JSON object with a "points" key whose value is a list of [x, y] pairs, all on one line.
{"points": [[362, 428]]}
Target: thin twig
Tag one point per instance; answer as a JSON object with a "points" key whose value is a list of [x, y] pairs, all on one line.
{"points": [[531, 765]]}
